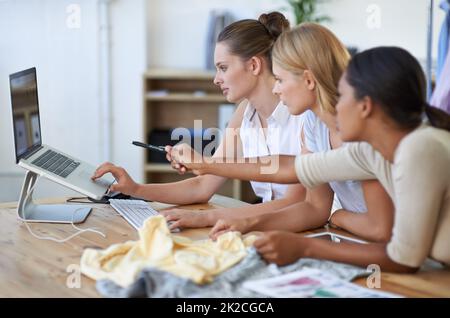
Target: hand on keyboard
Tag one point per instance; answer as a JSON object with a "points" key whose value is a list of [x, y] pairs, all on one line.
{"points": [[174, 230], [135, 211]]}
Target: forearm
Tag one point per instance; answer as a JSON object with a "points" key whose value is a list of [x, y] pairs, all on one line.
{"points": [[298, 217], [276, 169], [356, 254], [189, 191], [251, 210], [352, 162], [359, 224]]}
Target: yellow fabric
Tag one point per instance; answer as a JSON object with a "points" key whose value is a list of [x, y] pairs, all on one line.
{"points": [[197, 260]]}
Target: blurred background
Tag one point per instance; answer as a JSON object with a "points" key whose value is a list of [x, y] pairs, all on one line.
{"points": [[110, 72]]}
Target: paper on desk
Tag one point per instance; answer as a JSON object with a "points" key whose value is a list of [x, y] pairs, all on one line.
{"points": [[312, 283]]}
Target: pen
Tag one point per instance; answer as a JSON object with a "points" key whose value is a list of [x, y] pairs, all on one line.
{"points": [[141, 144]]}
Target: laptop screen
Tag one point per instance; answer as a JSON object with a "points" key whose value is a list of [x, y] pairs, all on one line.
{"points": [[25, 111]]}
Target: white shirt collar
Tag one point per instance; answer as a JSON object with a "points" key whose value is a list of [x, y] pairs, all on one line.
{"points": [[280, 114]]}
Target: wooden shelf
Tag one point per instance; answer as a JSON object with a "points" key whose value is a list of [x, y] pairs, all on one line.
{"points": [[172, 98], [186, 97], [171, 74]]}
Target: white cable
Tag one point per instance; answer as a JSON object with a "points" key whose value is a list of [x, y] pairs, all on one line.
{"points": [[49, 238]]}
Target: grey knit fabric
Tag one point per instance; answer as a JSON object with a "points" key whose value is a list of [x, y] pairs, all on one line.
{"points": [[155, 283]]}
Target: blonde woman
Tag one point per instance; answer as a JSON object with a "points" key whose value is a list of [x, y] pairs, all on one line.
{"points": [[308, 62], [261, 124]]}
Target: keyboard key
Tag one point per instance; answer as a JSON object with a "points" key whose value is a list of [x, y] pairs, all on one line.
{"points": [[69, 169], [63, 166], [56, 164]]}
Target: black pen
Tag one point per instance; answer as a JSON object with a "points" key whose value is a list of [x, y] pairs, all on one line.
{"points": [[151, 147]]}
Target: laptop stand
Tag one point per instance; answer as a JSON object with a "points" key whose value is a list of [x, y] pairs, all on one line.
{"points": [[28, 211]]}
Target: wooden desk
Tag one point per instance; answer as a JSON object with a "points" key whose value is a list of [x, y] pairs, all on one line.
{"points": [[36, 268]]}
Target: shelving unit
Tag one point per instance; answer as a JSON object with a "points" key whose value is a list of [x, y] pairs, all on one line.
{"points": [[175, 98]]}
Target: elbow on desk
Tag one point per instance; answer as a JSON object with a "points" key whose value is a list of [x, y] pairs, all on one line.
{"points": [[204, 197], [380, 235], [203, 190], [402, 269], [393, 266]]}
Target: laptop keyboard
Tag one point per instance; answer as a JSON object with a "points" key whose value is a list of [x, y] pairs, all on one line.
{"points": [[135, 211], [56, 163]]}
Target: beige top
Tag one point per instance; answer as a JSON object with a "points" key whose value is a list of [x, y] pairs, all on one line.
{"points": [[418, 182]]}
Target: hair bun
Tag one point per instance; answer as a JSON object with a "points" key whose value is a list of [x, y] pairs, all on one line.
{"points": [[274, 22]]}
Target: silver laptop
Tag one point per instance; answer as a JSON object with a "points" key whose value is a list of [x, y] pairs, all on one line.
{"points": [[41, 159]]}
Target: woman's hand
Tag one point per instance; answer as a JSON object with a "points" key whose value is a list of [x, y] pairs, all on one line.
{"points": [[183, 158], [222, 226], [125, 184], [186, 218], [176, 166], [281, 248]]}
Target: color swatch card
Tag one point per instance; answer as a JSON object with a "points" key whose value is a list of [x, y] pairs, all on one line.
{"points": [[308, 283]]}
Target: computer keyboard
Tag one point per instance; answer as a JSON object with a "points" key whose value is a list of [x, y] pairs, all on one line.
{"points": [[56, 163], [134, 211]]}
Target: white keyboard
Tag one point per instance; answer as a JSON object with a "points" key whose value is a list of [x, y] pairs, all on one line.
{"points": [[134, 211]]}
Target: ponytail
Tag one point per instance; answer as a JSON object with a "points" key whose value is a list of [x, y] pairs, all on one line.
{"points": [[437, 117]]}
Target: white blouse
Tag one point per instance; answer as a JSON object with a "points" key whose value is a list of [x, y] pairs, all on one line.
{"points": [[317, 139], [282, 137]]}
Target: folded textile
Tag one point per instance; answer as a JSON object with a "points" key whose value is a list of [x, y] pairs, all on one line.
{"points": [[155, 283], [198, 260]]}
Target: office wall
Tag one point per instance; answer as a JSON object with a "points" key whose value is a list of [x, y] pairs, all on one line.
{"points": [[66, 51], [177, 28], [402, 23], [129, 62]]}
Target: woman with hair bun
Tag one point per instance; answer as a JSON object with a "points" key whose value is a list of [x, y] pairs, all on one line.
{"points": [[261, 125]]}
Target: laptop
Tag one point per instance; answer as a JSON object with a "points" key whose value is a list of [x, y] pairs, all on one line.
{"points": [[42, 159]]}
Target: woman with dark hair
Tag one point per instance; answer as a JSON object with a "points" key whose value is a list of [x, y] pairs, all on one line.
{"points": [[404, 143]]}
